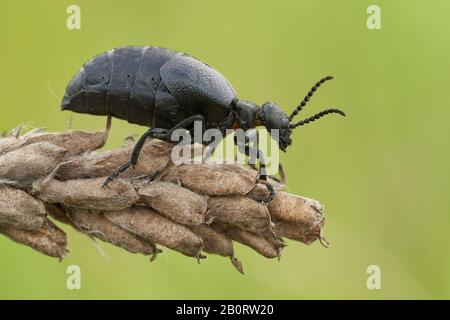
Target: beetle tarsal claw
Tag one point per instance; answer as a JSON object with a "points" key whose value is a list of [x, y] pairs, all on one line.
{"points": [[200, 257], [270, 189]]}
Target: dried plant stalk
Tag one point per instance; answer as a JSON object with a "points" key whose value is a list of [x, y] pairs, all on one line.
{"points": [[189, 208]]}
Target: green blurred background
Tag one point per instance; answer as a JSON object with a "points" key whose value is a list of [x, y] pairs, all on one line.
{"points": [[382, 172]]}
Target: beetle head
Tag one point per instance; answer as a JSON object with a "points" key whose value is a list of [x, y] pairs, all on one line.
{"points": [[272, 117]]}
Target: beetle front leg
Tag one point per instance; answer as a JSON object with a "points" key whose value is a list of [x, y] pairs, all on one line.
{"points": [[246, 149]]}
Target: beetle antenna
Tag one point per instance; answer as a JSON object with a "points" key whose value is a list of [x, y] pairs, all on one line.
{"points": [[308, 96], [315, 117]]}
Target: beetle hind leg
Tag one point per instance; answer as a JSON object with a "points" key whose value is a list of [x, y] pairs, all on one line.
{"points": [[153, 132]]}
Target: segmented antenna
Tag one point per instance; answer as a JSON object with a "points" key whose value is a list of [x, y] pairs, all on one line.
{"points": [[315, 117], [308, 96]]}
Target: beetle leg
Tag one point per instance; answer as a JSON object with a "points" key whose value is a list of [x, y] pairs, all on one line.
{"points": [[116, 173], [153, 132], [211, 144], [281, 179], [246, 149], [188, 124], [158, 133]]}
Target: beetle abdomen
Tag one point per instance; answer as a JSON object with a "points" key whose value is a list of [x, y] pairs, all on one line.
{"points": [[143, 95], [121, 82]]}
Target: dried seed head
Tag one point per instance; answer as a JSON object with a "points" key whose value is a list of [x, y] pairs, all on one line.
{"points": [[48, 239], [291, 208], [153, 159], [75, 142], [179, 217], [240, 211], [156, 228], [175, 202], [94, 223], [87, 193], [211, 179], [20, 210], [31, 162]]}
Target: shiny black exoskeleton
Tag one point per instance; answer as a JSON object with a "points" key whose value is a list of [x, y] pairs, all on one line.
{"points": [[167, 90]]}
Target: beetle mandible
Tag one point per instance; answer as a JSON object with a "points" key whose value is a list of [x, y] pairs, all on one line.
{"points": [[168, 90]]}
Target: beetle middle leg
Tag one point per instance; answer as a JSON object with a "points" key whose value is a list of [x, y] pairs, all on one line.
{"points": [[246, 149], [158, 133]]}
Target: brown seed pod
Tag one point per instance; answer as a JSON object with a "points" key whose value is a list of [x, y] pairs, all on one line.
{"points": [[94, 223], [48, 239], [215, 242], [240, 211], [211, 179], [26, 164], [152, 226], [58, 213], [9, 143], [20, 210], [75, 142], [13, 140], [292, 208], [275, 240], [87, 193], [299, 232], [175, 202], [255, 241], [153, 159]]}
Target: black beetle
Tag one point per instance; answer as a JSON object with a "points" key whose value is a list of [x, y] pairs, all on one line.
{"points": [[168, 90]]}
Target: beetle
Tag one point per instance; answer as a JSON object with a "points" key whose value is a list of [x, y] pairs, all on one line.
{"points": [[168, 90]]}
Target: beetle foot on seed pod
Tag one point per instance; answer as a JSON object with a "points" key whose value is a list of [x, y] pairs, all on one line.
{"points": [[191, 209]]}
